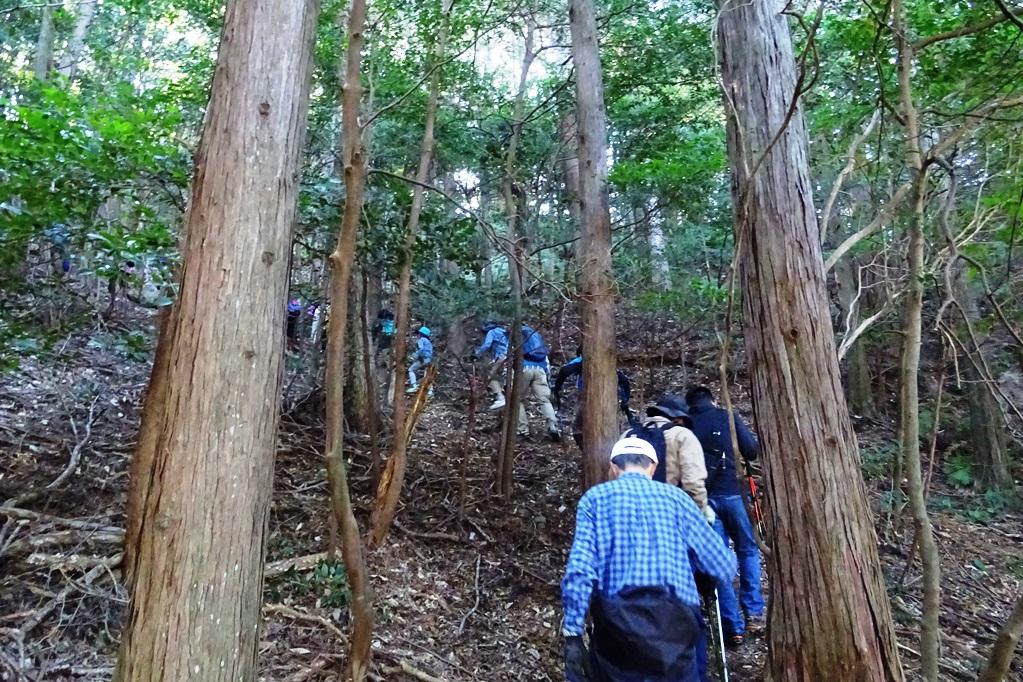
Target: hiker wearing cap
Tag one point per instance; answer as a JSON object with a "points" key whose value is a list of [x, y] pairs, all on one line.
{"points": [[710, 424], [495, 345], [536, 382], [681, 461], [637, 546], [574, 368], [421, 358]]}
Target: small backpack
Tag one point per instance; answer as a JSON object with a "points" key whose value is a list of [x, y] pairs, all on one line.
{"points": [[387, 327], [654, 435], [533, 347]]}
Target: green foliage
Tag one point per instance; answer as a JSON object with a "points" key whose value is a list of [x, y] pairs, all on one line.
{"points": [[327, 581], [876, 460], [959, 471]]}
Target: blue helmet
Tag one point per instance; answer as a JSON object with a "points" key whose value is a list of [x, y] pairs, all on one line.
{"points": [[425, 331]]}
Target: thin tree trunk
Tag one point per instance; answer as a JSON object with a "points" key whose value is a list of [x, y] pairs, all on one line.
{"points": [[203, 468], [659, 267], [909, 369], [570, 169], [858, 385], [354, 159], [597, 295], [829, 616], [516, 257], [997, 667], [370, 377], [389, 486], [44, 45], [68, 63]]}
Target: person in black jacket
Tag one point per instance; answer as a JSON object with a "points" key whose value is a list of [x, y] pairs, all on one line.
{"points": [[574, 368], [710, 424]]}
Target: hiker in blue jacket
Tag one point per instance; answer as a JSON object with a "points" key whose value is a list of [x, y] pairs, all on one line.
{"points": [[710, 424], [421, 359], [536, 382], [495, 344]]}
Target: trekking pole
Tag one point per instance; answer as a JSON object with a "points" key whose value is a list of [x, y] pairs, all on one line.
{"points": [[721, 637]]}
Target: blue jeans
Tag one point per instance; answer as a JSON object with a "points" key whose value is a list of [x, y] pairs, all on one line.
{"points": [[733, 524]]}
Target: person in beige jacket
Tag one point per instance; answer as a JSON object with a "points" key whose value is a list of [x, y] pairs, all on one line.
{"points": [[683, 463]]}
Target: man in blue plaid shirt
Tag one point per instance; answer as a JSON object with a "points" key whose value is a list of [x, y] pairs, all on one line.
{"points": [[637, 544]]}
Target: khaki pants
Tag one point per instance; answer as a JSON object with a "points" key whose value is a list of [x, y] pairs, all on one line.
{"points": [[495, 377], [534, 384]]}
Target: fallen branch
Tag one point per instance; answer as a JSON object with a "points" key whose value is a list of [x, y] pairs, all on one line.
{"points": [[450, 537], [413, 672], [28, 515], [302, 563], [76, 452], [65, 537], [476, 588], [296, 614]]}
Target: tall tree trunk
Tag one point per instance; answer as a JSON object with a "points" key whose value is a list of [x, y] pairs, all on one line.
{"points": [[68, 63], [357, 404], [389, 486], [354, 159], [597, 296], [986, 422], [203, 467], [909, 369], [997, 667], [829, 613], [511, 191], [44, 44], [659, 268], [570, 170]]}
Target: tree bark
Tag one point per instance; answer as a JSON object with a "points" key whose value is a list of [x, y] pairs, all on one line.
{"points": [[44, 44], [342, 259], [357, 407], [389, 486], [659, 268], [570, 170], [829, 615], [997, 667], [597, 294], [203, 468], [68, 63], [909, 369]]}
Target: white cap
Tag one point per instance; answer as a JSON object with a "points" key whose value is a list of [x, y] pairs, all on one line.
{"points": [[633, 445]]}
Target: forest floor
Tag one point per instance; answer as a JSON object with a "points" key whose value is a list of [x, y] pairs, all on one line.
{"points": [[467, 585]]}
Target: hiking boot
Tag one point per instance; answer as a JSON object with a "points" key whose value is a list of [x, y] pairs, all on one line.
{"points": [[411, 389], [554, 434], [734, 641], [497, 404], [756, 624]]}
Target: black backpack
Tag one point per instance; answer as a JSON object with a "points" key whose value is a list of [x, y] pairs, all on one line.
{"points": [[654, 435]]}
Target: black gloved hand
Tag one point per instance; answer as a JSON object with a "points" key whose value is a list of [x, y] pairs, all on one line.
{"points": [[575, 659], [705, 585], [624, 406]]}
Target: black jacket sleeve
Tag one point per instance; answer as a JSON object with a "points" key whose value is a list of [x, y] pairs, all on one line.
{"points": [[748, 445], [565, 373], [624, 387]]}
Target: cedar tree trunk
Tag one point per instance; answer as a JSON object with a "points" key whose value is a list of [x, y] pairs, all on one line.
{"points": [[829, 616], [203, 467]]}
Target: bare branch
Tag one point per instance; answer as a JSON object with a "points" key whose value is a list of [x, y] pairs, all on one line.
{"points": [[849, 165]]}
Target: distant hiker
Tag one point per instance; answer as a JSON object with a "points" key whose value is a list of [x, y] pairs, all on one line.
{"points": [[710, 424], [536, 382], [495, 344], [637, 546], [574, 368], [383, 329], [421, 358], [680, 459], [294, 315]]}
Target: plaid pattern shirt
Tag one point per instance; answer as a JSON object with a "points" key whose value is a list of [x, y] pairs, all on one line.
{"points": [[634, 532]]}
